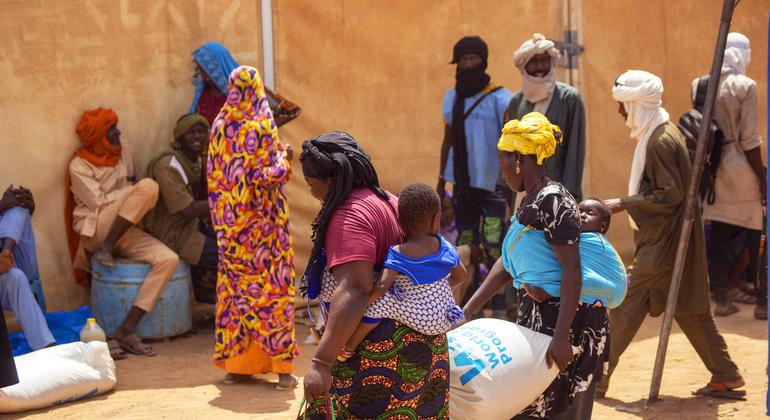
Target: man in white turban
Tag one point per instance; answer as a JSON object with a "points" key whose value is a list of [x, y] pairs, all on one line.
{"points": [[559, 102], [660, 174], [736, 213]]}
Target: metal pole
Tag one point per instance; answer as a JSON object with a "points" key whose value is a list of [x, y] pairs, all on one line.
{"points": [[268, 63], [691, 200], [767, 394]]}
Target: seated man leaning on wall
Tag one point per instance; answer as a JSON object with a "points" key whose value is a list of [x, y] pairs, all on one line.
{"points": [[18, 267], [107, 205], [183, 203]]}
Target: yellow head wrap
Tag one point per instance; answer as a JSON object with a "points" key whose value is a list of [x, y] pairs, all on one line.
{"points": [[532, 135]]}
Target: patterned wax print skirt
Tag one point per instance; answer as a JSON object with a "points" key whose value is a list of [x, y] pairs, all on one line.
{"points": [[396, 373]]}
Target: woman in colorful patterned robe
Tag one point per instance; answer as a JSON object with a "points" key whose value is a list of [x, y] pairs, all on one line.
{"points": [[247, 168]]}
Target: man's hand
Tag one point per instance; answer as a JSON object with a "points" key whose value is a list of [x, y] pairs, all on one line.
{"points": [[478, 255], [6, 261], [9, 199], [441, 188], [317, 381], [25, 199], [615, 204]]}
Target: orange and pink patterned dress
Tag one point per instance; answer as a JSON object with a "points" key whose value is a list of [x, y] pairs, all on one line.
{"points": [[247, 169]]}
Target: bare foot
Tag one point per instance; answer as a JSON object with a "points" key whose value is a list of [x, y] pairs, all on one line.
{"points": [[734, 383], [104, 256], [286, 381]]}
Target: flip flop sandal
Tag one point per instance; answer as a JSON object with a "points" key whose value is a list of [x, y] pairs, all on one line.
{"points": [[718, 390], [133, 344], [315, 332], [115, 351], [742, 297]]}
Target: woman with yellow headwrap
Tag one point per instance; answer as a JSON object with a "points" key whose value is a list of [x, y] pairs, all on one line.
{"points": [[551, 211]]}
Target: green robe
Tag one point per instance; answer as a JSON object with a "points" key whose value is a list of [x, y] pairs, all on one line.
{"points": [[565, 110], [658, 211]]}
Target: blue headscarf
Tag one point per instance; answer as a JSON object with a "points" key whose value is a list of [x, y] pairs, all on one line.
{"points": [[217, 62]]}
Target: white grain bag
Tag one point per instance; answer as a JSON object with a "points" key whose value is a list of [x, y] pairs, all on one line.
{"points": [[59, 375], [497, 368]]}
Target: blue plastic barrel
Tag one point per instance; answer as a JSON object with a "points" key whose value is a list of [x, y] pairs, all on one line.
{"points": [[113, 291]]}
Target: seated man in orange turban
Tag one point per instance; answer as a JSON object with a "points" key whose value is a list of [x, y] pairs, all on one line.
{"points": [[106, 205]]}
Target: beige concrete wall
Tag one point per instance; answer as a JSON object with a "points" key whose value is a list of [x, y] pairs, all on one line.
{"points": [[58, 58], [376, 69]]}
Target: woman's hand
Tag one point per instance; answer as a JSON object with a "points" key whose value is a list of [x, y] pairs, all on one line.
{"points": [[459, 324], [317, 382], [615, 204], [559, 352]]}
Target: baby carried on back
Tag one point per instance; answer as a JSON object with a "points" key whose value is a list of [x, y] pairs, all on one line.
{"points": [[534, 267]]}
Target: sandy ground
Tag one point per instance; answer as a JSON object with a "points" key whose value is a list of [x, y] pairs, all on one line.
{"points": [[181, 382]]}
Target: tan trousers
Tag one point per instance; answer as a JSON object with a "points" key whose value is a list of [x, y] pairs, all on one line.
{"points": [[700, 329], [135, 244]]}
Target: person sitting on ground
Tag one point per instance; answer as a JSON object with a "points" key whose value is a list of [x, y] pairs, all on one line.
{"points": [[106, 208], [416, 284], [176, 219], [18, 267], [604, 274]]}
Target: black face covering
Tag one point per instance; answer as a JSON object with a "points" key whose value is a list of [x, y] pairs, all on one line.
{"points": [[468, 82], [471, 81]]}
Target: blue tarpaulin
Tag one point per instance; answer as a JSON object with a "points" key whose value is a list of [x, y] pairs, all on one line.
{"points": [[65, 327]]}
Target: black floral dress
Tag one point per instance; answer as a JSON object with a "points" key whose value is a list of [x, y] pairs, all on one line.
{"points": [[553, 210]]}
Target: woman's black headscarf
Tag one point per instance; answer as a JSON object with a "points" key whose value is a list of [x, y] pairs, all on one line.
{"points": [[336, 155]]}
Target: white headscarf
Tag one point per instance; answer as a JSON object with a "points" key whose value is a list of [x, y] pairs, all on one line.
{"points": [[737, 53], [536, 89], [640, 92]]}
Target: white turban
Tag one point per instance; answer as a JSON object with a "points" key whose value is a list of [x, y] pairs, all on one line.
{"points": [[532, 47], [640, 92], [536, 89], [737, 53]]}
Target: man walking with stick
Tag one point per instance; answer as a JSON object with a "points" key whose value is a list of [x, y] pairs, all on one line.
{"points": [[660, 174]]}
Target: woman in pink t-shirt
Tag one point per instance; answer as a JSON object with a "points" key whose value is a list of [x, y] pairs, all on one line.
{"points": [[352, 233]]}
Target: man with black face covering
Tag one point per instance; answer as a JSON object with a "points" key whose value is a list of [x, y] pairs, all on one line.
{"points": [[473, 116]]}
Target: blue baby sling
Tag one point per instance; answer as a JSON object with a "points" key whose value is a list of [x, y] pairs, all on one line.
{"points": [[529, 259]]}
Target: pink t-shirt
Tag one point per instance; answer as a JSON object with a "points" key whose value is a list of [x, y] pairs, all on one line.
{"points": [[363, 228]]}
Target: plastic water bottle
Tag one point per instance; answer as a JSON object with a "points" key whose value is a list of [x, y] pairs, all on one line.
{"points": [[92, 332]]}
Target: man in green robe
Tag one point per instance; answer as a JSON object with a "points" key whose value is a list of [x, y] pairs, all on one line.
{"points": [[561, 103], [660, 174]]}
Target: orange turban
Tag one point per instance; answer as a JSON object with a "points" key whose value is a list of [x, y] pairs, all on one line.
{"points": [[92, 130]]}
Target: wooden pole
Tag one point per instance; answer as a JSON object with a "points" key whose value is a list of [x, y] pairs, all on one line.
{"points": [[692, 198]]}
